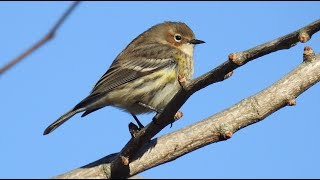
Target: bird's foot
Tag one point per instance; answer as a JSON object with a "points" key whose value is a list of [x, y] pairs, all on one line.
{"points": [[133, 129]]}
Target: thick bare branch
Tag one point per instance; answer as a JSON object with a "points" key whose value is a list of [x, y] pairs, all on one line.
{"points": [[42, 41], [218, 127]]}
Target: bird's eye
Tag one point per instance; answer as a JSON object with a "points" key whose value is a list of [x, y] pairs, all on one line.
{"points": [[177, 37]]}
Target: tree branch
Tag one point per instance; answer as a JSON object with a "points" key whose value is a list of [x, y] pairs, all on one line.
{"points": [[218, 127], [120, 165], [42, 41]]}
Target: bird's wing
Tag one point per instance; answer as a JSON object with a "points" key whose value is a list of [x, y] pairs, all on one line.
{"points": [[130, 71], [123, 71]]}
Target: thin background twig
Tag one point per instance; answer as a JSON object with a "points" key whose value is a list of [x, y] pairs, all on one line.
{"points": [[43, 40]]}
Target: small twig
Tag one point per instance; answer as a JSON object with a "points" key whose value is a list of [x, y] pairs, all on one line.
{"points": [[42, 41]]}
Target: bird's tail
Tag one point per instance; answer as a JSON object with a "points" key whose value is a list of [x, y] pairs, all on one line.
{"points": [[61, 120]]}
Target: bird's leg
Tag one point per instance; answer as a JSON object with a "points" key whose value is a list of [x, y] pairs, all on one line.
{"points": [[137, 120], [150, 107], [177, 116]]}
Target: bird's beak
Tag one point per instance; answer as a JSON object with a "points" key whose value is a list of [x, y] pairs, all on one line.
{"points": [[196, 41]]}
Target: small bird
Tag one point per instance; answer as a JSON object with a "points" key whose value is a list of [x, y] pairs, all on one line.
{"points": [[145, 76]]}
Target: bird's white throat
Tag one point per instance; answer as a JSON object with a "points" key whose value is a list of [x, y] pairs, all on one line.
{"points": [[187, 48]]}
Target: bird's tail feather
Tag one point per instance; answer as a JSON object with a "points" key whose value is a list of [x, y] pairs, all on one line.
{"points": [[61, 120]]}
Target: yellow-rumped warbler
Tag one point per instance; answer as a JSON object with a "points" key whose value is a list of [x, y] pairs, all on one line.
{"points": [[145, 75]]}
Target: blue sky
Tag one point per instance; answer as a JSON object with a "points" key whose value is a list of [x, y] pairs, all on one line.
{"points": [[56, 77]]}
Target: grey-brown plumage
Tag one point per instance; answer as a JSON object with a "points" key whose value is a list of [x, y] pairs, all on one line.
{"points": [[145, 71]]}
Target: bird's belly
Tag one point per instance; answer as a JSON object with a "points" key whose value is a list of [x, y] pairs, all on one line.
{"points": [[154, 90], [163, 96]]}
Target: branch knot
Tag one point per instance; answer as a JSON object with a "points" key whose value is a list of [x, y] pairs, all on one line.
{"points": [[291, 102], [308, 54], [236, 58], [303, 36]]}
